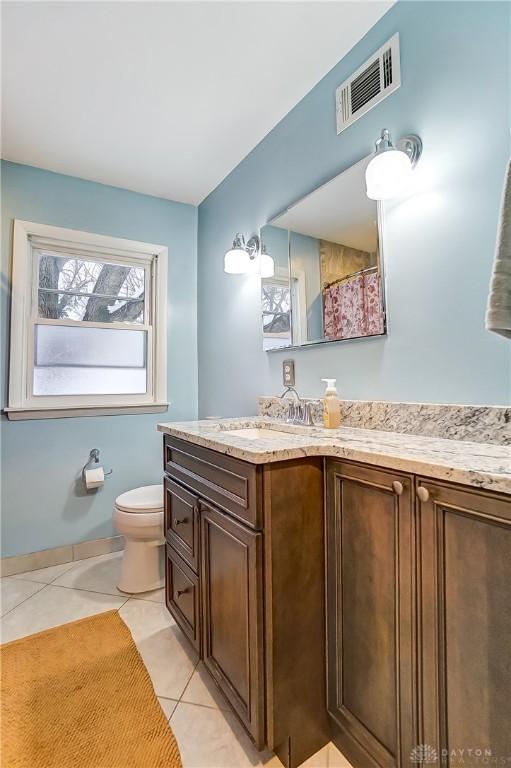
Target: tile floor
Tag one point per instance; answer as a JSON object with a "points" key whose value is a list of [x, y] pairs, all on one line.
{"points": [[208, 734]]}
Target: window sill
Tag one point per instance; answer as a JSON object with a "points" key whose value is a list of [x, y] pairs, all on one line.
{"points": [[20, 414]]}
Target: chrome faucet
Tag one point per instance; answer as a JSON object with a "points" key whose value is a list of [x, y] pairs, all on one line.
{"points": [[298, 412]]}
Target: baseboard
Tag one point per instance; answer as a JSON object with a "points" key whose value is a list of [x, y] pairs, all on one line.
{"points": [[350, 748], [10, 566]]}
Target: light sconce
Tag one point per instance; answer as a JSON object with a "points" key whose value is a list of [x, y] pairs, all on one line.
{"points": [[248, 258], [389, 172], [266, 263], [237, 259]]}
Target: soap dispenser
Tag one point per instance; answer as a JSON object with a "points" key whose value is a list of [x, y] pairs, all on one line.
{"points": [[331, 405]]}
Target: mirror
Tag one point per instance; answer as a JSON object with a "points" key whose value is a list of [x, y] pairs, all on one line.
{"points": [[328, 283], [275, 291]]}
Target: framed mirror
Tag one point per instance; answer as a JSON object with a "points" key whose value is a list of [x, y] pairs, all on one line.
{"points": [[329, 280]]}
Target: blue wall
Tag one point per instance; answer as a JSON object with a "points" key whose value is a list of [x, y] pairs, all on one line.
{"points": [[43, 504], [439, 244], [305, 256]]}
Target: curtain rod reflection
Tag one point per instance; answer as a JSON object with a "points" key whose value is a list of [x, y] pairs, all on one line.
{"points": [[352, 274]]}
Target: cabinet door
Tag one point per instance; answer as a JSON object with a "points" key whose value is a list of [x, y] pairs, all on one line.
{"points": [[232, 605], [465, 624], [371, 692]]}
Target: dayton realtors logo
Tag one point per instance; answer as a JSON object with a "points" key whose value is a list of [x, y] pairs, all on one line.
{"points": [[423, 754]]}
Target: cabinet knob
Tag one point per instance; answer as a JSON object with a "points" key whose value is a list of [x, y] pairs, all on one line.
{"points": [[183, 521], [398, 487], [180, 592], [422, 493]]}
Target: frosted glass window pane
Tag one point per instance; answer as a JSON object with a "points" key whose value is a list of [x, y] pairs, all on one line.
{"points": [[60, 345], [64, 380]]}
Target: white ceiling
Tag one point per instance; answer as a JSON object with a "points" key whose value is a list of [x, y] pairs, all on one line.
{"points": [[162, 97]]}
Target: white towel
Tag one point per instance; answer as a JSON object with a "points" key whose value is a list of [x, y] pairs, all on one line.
{"points": [[498, 312]]}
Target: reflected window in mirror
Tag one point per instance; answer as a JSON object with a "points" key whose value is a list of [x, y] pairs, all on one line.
{"points": [[276, 291], [276, 303]]}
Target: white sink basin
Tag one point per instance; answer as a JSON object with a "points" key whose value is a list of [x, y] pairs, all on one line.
{"points": [[257, 433]]}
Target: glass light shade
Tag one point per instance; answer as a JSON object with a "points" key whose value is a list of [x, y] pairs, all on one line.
{"points": [[253, 266], [236, 261], [266, 265], [262, 265], [388, 175]]}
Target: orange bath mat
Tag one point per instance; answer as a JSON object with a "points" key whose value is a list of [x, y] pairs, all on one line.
{"points": [[79, 696]]}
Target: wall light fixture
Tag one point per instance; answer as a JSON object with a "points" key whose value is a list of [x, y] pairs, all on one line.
{"points": [[266, 263], [237, 258], [248, 258], [389, 172]]}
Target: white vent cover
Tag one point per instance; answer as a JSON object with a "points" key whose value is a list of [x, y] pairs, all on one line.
{"points": [[370, 84]]}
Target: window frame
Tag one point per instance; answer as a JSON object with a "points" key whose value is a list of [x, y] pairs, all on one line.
{"points": [[30, 237], [281, 279]]}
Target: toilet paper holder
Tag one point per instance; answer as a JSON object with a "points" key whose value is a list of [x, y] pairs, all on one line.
{"points": [[93, 459]]}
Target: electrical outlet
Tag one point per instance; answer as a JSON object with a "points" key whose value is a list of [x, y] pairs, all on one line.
{"points": [[288, 373]]}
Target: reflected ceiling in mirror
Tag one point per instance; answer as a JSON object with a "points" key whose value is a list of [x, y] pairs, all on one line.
{"points": [[328, 283]]}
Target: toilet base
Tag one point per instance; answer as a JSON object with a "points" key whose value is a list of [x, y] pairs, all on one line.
{"points": [[142, 567]]}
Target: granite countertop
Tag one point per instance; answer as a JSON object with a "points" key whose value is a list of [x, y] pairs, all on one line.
{"points": [[480, 465]]}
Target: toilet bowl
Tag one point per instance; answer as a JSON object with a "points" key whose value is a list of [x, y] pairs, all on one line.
{"points": [[138, 516]]}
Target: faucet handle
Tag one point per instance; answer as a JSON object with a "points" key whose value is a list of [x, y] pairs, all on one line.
{"points": [[291, 413], [307, 416]]}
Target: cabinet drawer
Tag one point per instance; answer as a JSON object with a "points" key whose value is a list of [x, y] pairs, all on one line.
{"points": [[230, 484], [182, 522], [182, 596]]}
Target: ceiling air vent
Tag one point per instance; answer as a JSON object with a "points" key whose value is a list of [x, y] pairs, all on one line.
{"points": [[370, 84]]}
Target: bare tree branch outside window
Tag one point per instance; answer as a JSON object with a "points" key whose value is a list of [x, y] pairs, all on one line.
{"points": [[91, 291], [275, 300]]}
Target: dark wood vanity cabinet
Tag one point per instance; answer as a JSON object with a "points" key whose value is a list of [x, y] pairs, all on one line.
{"points": [[418, 618], [245, 582], [407, 649]]}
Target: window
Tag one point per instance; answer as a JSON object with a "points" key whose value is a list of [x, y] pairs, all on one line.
{"points": [[276, 312], [88, 324]]}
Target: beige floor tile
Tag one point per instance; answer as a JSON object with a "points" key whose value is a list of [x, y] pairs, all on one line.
{"points": [[156, 596], [202, 690], [96, 574], [45, 575], [168, 706], [166, 653], [318, 760], [51, 607], [336, 759], [15, 591], [210, 738]]}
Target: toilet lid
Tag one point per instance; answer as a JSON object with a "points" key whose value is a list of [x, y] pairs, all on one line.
{"points": [[148, 498]]}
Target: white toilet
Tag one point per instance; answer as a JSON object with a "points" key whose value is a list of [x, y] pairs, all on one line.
{"points": [[138, 516]]}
